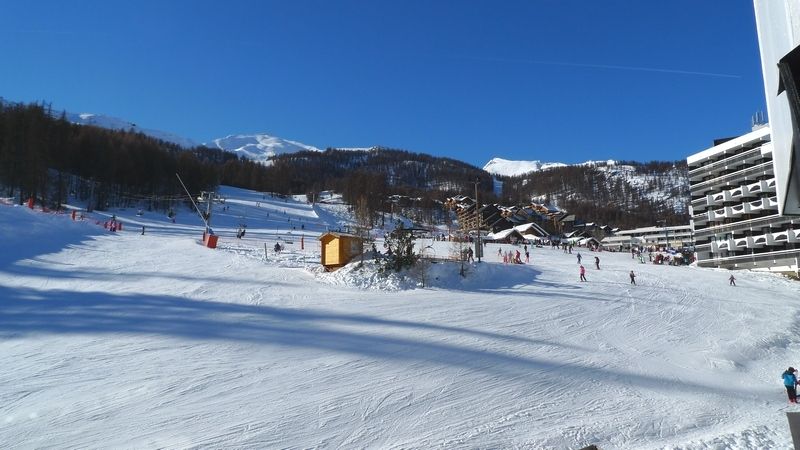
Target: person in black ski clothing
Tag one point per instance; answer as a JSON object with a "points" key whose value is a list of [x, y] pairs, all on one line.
{"points": [[633, 278], [732, 281], [597, 262], [790, 381]]}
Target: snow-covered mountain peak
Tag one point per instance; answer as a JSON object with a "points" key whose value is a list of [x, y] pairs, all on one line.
{"points": [[260, 147]]}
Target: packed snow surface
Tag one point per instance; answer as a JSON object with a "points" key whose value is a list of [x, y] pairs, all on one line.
{"points": [[509, 168], [131, 340]]}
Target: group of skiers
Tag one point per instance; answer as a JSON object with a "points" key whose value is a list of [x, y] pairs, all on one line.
{"points": [[582, 271], [514, 257], [631, 274]]}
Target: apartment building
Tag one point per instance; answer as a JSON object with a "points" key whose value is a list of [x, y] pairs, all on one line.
{"points": [[734, 209]]}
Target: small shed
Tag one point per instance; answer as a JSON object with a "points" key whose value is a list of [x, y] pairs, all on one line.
{"points": [[339, 248]]}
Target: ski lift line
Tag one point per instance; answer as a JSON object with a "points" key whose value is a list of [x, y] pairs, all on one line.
{"points": [[205, 222]]}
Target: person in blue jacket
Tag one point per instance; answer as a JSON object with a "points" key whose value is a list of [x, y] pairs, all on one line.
{"points": [[790, 381]]}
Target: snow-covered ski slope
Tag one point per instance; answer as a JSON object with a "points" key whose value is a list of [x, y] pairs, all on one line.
{"points": [[124, 340]]}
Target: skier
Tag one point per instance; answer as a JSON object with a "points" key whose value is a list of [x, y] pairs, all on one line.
{"points": [[579, 257], [527, 257], [583, 273], [469, 255], [633, 278], [790, 381], [732, 281], [597, 262], [517, 259]]}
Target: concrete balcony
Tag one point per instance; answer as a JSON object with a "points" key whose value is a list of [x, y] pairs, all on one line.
{"points": [[784, 237], [771, 203], [757, 241], [740, 209], [701, 220], [727, 196], [768, 185], [722, 213], [754, 188], [758, 205], [727, 244], [700, 202]]}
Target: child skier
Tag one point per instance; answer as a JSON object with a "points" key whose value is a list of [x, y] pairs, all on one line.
{"points": [[790, 381]]}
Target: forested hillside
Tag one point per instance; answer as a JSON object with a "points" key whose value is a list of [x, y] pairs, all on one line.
{"points": [[47, 158], [626, 194], [44, 156]]}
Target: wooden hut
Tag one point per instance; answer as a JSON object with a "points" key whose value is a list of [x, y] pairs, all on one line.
{"points": [[339, 248]]}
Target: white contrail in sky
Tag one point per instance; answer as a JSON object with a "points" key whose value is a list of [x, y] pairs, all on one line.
{"points": [[607, 66]]}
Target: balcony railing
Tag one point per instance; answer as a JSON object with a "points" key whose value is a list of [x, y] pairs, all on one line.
{"points": [[732, 160], [764, 168]]}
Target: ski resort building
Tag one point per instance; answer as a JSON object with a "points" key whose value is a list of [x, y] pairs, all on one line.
{"points": [[679, 236], [745, 207], [734, 209]]}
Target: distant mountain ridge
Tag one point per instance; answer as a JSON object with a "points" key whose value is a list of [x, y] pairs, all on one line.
{"points": [[256, 147], [260, 147], [611, 191], [114, 123]]}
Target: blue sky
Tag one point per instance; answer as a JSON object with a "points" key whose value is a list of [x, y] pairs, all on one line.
{"points": [[553, 80]]}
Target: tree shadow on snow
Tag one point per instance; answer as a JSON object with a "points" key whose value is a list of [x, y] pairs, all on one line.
{"points": [[25, 312]]}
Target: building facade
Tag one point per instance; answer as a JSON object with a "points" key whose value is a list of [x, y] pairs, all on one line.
{"points": [[665, 237], [735, 214]]}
